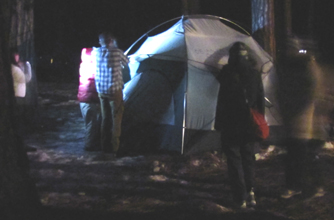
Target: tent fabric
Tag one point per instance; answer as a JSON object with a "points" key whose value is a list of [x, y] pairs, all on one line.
{"points": [[168, 45], [173, 82]]}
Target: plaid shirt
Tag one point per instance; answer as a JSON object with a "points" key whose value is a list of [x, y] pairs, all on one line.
{"points": [[108, 64]]}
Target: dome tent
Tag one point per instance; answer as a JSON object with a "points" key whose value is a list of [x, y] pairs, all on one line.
{"points": [[170, 101]]}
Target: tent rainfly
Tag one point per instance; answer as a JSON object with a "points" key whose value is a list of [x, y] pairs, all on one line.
{"points": [[170, 101]]}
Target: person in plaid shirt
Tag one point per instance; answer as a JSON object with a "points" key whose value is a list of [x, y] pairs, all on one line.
{"points": [[109, 61]]}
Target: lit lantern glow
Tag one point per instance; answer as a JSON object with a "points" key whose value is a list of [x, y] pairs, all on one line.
{"points": [[303, 51]]}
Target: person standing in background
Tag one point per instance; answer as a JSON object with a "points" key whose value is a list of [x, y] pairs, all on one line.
{"points": [[296, 94], [241, 88], [109, 61], [89, 101], [20, 78]]}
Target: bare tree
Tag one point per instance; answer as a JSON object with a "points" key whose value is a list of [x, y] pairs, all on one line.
{"points": [[22, 37], [263, 24], [311, 18], [190, 7], [18, 195], [287, 15]]}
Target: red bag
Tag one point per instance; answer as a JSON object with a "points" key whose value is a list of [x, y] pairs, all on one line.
{"points": [[261, 123]]}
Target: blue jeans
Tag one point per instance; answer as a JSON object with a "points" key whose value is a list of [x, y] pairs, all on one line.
{"points": [[112, 108]]}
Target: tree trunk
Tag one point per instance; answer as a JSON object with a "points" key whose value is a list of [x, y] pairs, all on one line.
{"points": [[190, 7], [18, 195], [288, 19], [311, 20], [22, 37], [263, 25]]}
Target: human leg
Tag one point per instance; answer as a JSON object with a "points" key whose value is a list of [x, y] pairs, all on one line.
{"points": [[248, 164], [314, 178], [105, 123], [20, 124], [235, 173], [91, 115], [295, 161], [19, 116], [117, 115], [294, 167]]}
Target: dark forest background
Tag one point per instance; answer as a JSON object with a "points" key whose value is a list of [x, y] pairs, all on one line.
{"points": [[64, 27]]}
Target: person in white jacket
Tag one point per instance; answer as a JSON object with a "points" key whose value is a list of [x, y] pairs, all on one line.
{"points": [[21, 73]]}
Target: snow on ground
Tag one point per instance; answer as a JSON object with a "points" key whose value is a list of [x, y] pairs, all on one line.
{"points": [[94, 186]]}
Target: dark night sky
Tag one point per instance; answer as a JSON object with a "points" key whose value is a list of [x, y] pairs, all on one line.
{"points": [[76, 23], [64, 27]]}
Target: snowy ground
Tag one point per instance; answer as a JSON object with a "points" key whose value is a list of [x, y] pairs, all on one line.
{"points": [[74, 184]]}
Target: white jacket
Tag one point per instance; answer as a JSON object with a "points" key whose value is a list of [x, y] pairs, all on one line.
{"points": [[19, 80]]}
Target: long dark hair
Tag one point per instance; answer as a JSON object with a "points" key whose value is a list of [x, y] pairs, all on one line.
{"points": [[234, 57]]}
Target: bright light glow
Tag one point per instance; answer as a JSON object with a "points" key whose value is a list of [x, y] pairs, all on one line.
{"points": [[51, 61], [303, 51], [87, 69], [158, 178], [320, 192], [196, 163], [328, 145]]}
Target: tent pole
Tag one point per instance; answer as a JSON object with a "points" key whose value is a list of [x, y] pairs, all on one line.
{"points": [[184, 108], [184, 121], [185, 16], [185, 93]]}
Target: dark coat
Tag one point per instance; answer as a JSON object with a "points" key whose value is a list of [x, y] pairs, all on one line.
{"points": [[240, 89], [296, 92]]}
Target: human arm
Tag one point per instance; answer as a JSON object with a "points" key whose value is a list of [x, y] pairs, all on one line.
{"points": [[117, 59], [27, 71], [124, 59], [260, 100], [254, 90]]}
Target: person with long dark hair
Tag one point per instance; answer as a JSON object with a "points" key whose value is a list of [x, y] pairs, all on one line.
{"points": [[241, 88]]}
